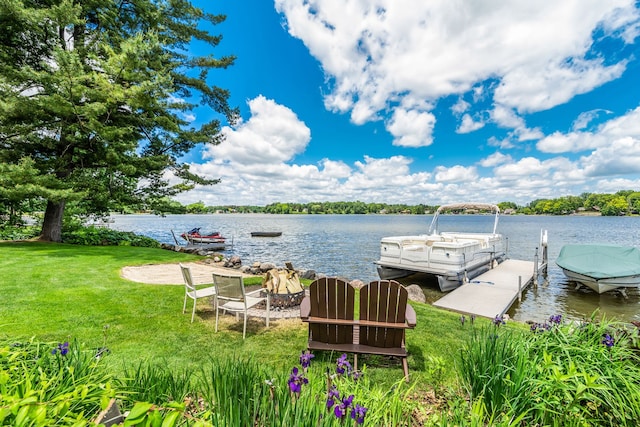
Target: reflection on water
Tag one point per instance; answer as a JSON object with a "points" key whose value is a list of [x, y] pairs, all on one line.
{"points": [[348, 246], [559, 295]]}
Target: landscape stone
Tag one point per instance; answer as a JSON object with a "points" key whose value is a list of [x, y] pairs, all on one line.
{"points": [[416, 294], [266, 266], [308, 274]]}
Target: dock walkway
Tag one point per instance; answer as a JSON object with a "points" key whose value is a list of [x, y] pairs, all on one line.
{"points": [[492, 293]]}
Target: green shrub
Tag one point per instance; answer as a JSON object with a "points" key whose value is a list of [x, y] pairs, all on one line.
{"points": [[43, 384], [557, 374], [156, 384], [99, 236], [242, 392], [494, 367], [13, 232]]}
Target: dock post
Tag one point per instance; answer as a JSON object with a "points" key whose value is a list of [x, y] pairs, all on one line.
{"points": [[545, 251], [175, 239], [545, 258], [519, 289], [535, 269]]}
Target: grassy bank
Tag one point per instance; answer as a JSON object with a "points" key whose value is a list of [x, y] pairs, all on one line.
{"points": [[56, 292], [556, 373]]}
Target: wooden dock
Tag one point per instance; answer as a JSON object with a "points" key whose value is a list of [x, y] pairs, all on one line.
{"points": [[492, 293]]}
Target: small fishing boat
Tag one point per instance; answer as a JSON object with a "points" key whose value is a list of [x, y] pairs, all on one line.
{"points": [[194, 236], [601, 267], [266, 233], [453, 257]]}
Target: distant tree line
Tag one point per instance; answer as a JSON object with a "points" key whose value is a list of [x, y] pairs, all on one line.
{"points": [[174, 207], [624, 202]]}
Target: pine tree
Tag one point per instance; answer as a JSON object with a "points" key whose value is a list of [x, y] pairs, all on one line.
{"points": [[96, 93]]}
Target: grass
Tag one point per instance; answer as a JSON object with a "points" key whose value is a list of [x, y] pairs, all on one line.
{"points": [[569, 374], [58, 292]]}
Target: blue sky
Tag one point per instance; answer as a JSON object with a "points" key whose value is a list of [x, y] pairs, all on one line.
{"points": [[406, 101]]}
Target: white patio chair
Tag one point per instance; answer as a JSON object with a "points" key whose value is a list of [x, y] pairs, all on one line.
{"points": [[190, 290], [231, 297]]}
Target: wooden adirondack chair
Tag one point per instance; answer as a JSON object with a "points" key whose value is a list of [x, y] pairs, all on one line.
{"points": [[329, 310], [384, 316]]}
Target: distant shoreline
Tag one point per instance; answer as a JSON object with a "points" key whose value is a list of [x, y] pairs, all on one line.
{"points": [[589, 213]]}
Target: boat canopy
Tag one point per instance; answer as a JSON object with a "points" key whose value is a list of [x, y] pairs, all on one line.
{"points": [[433, 228], [600, 261]]}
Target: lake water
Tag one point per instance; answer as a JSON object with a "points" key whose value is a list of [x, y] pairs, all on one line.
{"points": [[348, 246]]}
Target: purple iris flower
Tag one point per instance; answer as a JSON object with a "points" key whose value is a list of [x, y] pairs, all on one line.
{"points": [[343, 365], [295, 381], [555, 319], [358, 412], [541, 327], [62, 348], [305, 359], [332, 397], [341, 408], [498, 320], [608, 340]]}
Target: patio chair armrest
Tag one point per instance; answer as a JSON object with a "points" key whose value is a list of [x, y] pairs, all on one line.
{"points": [[410, 316], [305, 309], [256, 292]]}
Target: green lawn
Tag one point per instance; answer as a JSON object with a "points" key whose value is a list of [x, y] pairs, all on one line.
{"points": [[56, 292]]}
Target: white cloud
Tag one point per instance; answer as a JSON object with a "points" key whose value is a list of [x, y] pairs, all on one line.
{"points": [[393, 166], [495, 159], [411, 128], [455, 174], [378, 54], [628, 20], [478, 93], [504, 144], [507, 118], [558, 142], [614, 185], [525, 167], [272, 134], [586, 117], [556, 84], [606, 134], [460, 107], [620, 157], [254, 165], [396, 60], [335, 169], [468, 124]]}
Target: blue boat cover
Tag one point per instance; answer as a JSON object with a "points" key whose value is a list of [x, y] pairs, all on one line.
{"points": [[600, 261]]}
